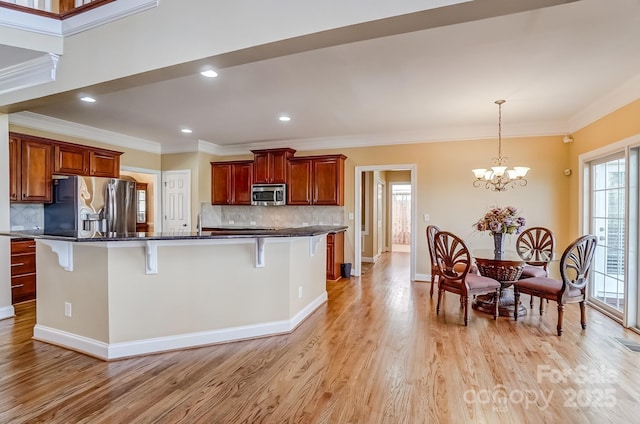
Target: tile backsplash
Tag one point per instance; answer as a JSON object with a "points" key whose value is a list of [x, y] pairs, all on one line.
{"points": [[271, 216], [26, 216]]}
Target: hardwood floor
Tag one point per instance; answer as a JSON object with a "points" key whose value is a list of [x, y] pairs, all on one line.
{"points": [[375, 353]]}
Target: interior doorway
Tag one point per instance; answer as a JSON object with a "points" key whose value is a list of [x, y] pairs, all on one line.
{"points": [[365, 196], [152, 179], [400, 217]]}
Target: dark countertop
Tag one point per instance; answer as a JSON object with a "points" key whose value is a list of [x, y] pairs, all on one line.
{"points": [[207, 233]]}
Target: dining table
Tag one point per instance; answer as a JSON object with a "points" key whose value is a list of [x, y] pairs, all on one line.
{"points": [[506, 268]]}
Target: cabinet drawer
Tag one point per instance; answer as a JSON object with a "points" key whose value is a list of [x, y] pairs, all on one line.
{"points": [[23, 288], [23, 264], [23, 246]]}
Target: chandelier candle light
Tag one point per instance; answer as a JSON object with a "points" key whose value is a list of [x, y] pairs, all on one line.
{"points": [[499, 178]]}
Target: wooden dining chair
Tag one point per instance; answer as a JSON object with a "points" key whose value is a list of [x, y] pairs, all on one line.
{"points": [[574, 269], [431, 234], [536, 245], [454, 265]]}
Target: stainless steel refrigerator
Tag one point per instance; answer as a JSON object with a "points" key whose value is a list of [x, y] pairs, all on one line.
{"points": [[91, 205]]}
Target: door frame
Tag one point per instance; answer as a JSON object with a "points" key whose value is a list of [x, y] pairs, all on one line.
{"points": [[359, 170], [157, 197]]}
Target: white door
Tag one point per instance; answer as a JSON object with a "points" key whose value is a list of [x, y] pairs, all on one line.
{"points": [[176, 201]]}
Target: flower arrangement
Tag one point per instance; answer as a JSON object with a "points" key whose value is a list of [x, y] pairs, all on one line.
{"points": [[501, 221]]}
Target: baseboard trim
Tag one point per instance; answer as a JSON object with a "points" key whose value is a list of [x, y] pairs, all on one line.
{"points": [[7, 312], [423, 277], [112, 351]]}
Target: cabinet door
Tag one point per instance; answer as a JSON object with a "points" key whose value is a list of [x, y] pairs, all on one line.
{"points": [[261, 168], [330, 260], [279, 162], [220, 184], [299, 188], [103, 164], [328, 182], [70, 160], [35, 158], [241, 177], [14, 169]]}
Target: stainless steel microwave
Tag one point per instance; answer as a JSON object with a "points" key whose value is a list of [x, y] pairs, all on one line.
{"points": [[268, 194]]}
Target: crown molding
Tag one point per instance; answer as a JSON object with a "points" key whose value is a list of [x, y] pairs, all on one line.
{"points": [[622, 95], [552, 128], [39, 70], [62, 127]]}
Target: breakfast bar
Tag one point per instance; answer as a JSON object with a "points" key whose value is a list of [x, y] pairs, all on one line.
{"points": [[120, 295]]}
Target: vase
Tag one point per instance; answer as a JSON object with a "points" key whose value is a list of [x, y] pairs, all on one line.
{"points": [[498, 245]]}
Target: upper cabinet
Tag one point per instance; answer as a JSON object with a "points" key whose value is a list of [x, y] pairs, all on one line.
{"points": [[70, 159], [316, 180], [270, 165], [73, 159], [104, 164], [33, 161], [29, 170], [231, 182]]}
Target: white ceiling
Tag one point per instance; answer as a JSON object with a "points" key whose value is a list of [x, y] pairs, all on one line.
{"points": [[558, 67]]}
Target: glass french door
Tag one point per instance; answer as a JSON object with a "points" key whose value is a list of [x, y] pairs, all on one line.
{"points": [[608, 219]]}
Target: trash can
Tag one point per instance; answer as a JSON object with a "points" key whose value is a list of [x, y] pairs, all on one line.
{"points": [[345, 270]]}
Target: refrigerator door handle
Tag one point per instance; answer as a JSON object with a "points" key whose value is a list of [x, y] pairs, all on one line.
{"points": [[113, 212]]}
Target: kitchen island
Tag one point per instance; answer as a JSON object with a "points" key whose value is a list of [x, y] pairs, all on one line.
{"points": [[120, 295]]}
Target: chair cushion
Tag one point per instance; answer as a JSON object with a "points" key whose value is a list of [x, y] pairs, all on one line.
{"points": [[477, 282], [545, 285], [532, 271]]}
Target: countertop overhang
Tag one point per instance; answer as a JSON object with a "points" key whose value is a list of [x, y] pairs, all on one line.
{"points": [[209, 233]]}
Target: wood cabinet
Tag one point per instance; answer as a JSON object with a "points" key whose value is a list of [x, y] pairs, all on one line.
{"points": [[23, 270], [231, 182], [316, 180], [270, 165], [70, 159], [29, 170], [33, 161], [14, 169], [335, 255], [104, 164]]}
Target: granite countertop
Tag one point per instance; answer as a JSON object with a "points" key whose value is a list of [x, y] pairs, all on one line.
{"points": [[207, 233]]}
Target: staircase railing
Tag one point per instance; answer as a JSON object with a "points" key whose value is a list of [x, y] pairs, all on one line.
{"points": [[53, 8]]}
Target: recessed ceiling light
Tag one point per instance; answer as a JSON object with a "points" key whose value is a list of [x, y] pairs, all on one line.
{"points": [[209, 73], [187, 130], [88, 99], [285, 118]]}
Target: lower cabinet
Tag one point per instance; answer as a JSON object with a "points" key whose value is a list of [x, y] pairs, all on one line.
{"points": [[23, 270], [335, 254]]}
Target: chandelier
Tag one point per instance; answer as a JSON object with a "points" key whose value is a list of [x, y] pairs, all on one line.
{"points": [[499, 178]]}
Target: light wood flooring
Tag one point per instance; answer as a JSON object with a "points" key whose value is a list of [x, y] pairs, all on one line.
{"points": [[375, 353]]}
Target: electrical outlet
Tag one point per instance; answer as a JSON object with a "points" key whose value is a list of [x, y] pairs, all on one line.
{"points": [[300, 292], [67, 309], [350, 216], [426, 217]]}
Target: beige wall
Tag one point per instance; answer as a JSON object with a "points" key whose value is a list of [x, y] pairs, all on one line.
{"points": [[616, 126], [444, 187]]}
